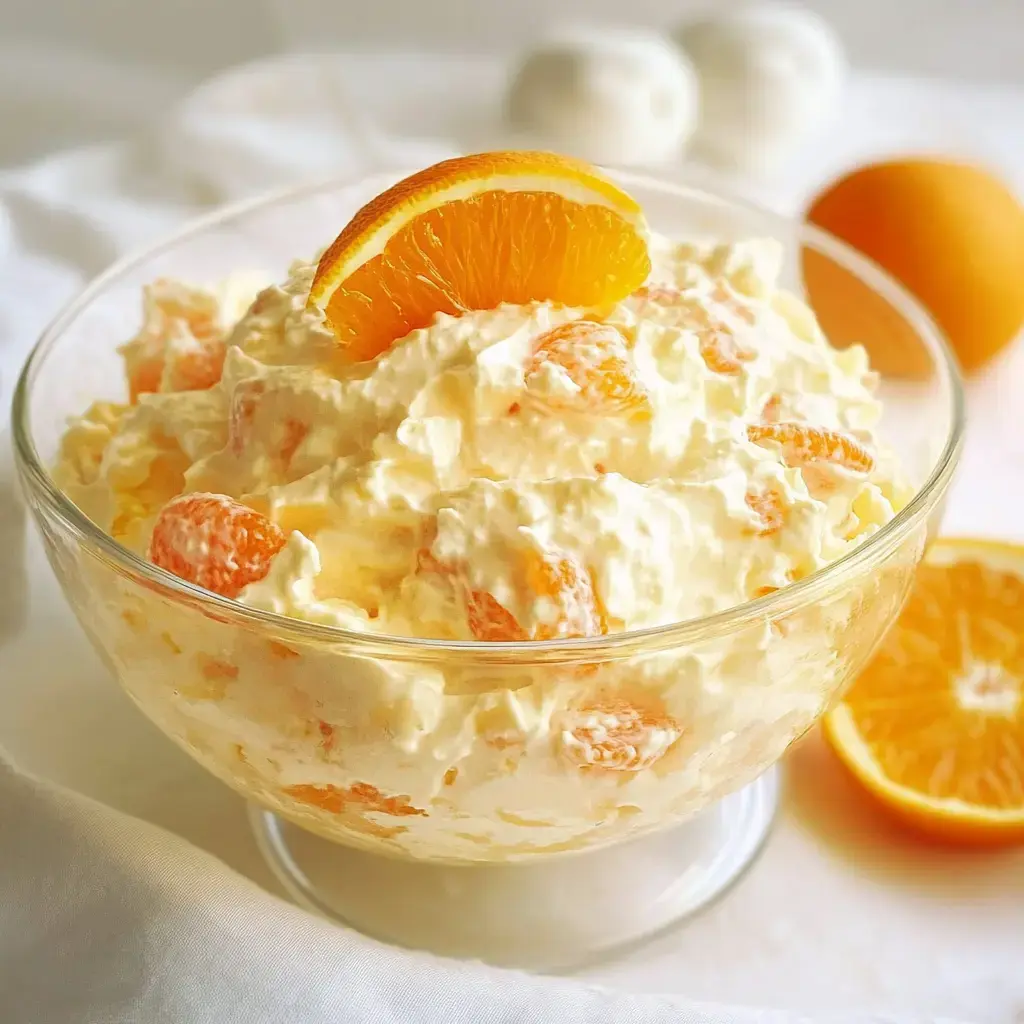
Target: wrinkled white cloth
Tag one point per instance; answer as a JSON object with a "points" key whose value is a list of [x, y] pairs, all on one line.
{"points": [[105, 919]]}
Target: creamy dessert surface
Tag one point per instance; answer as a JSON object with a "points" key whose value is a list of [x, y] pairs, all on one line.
{"points": [[474, 482], [452, 441]]}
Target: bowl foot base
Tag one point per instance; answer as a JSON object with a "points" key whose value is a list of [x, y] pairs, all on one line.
{"points": [[555, 915]]}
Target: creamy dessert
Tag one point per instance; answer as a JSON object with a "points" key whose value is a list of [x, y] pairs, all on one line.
{"points": [[534, 471]]}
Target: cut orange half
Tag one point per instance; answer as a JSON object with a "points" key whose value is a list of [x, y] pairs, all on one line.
{"points": [[934, 727], [472, 233]]}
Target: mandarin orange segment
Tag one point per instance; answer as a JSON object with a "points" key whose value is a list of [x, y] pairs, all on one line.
{"points": [[244, 401], [286, 435], [473, 233], [556, 582], [359, 796], [934, 726], [566, 586], [772, 411], [595, 357], [802, 444], [724, 295], [173, 311], [215, 542], [722, 353], [769, 507], [660, 294], [614, 735], [720, 349], [198, 369], [491, 621]]}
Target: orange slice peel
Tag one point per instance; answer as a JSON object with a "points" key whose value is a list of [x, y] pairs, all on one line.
{"points": [[934, 726]]}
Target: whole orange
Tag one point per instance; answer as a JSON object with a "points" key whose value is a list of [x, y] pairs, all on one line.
{"points": [[951, 233]]}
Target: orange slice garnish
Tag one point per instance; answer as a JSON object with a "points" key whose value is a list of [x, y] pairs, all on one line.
{"points": [[472, 233], [934, 727]]}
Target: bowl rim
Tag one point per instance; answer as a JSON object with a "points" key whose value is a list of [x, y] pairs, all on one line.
{"points": [[46, 494]]}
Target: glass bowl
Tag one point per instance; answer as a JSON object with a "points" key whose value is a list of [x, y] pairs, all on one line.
{"points": [[470, 766]]}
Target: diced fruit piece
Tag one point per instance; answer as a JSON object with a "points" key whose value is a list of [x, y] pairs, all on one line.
{"points": [[802, 444], [725, 296], [617, 736], [180, 340], [215, 542], [768, 506], [595, 357], [720, 349], [568, 589], [721, 352], [569, 605], [772, 411], [474, 232], [198, 368], [491, 621], [284, 435], [934, 726], [244, 400], [359, 796], [658, 294]]}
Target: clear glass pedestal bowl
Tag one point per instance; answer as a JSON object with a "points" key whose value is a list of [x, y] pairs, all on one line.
{"points": [[516, 852]]}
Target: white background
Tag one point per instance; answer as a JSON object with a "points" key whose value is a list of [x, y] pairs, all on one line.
{"points": [[978, 39], [140, 55]]}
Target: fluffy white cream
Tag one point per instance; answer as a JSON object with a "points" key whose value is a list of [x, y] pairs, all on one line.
{"points": [[457, 448]]}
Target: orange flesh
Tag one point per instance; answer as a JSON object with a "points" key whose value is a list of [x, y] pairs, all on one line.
{"points": [[560, 580], [477, 253], [768, 507], [214, 542], [613, 735], [361, 795], [596, 359], [802, 444], [941, 705]]}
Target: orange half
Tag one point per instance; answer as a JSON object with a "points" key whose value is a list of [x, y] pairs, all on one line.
{"points": [[475, 232], [934, 727]]}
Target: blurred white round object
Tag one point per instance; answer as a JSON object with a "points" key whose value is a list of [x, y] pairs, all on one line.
{"points": [[768, 74], [616, 96]]}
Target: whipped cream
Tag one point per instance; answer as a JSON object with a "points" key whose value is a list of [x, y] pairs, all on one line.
{"points": [[458, 447]]}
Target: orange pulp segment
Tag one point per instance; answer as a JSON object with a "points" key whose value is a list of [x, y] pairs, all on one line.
{"points": [[595, 357], [802, 445], [934, 727], [215, 542]]}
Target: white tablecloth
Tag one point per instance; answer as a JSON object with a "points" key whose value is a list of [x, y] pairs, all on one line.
{"points": [[841, 913]]}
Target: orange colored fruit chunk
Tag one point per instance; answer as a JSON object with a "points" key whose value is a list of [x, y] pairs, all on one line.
{"points": [[568, 589], [720, 349], [595, 357], [802, 444], [721, 352], [769, 508], [360, 795], [934, 726], [285, 435], [570, 606], [737, 307], [215, 542], [772, 411], [951, 233], [616, 736], [472, 233], [180, 346], [491, 621]]}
